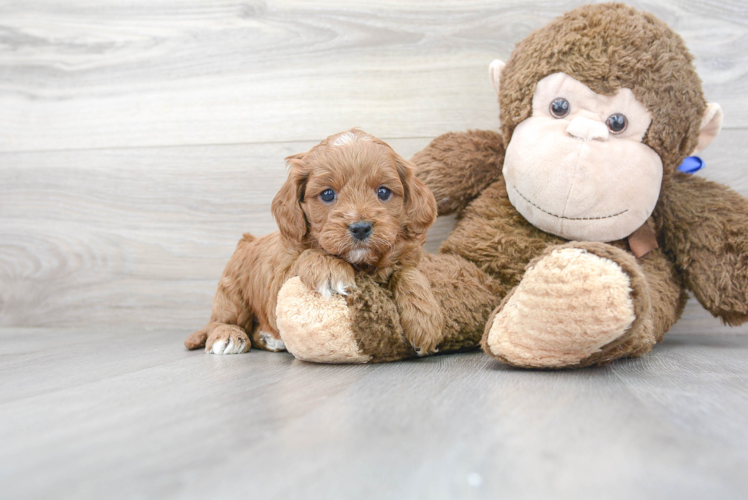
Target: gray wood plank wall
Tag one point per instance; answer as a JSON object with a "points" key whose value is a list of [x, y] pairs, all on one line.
{"points": [[140, 138]]}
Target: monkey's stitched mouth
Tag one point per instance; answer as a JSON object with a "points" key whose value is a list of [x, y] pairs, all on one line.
{"points": [[566, 218]]}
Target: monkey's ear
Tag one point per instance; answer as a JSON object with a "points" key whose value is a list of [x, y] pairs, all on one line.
{"points": [[286, 206], [711, 124], [494, 73], [420, 203]]}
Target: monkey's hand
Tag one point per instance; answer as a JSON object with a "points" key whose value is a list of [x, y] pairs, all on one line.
{"points": [[324, 273], [458, 166], [704, 227], [420, 314]]}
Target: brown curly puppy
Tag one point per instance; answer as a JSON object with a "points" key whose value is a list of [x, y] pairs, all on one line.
{"points": [[349, 204]]}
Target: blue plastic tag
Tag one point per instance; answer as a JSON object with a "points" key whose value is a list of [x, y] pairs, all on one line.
{"points": [[691, 164]]}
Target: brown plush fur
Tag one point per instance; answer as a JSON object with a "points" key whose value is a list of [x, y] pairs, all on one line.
{"points": [[478, 154], [466, 295], [701, 227], [315, 243], [460, 288], [375, 322]]}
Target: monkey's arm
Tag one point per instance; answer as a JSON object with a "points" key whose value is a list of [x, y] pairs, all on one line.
{"points": [[704, 228], [457, 166]]}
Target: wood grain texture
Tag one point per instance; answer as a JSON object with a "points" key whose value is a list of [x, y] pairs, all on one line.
{"points": [[109, 413], [140, 236], [135, 236], [85, 74], [138, 140]]}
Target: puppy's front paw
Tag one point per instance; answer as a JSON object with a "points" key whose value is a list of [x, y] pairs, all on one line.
{"points": [[267, 341], [329, 276], [227, 339], [423, 326]]}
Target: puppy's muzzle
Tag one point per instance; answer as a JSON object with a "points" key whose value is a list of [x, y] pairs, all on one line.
{"points": [[360, 230]]}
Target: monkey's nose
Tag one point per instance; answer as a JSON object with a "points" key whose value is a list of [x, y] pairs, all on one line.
{"points": [[360, 230], [587, 130]]}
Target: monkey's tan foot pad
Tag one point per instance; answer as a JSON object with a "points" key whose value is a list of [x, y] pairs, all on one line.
{"points": [[227, 339], [568, 306], [362, 327], [314, 327]]}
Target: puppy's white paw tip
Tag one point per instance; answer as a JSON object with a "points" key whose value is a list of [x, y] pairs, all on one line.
{"points": [[341, 288], [272, 343], [218, 347], [328, 289], [325, 289], [230, 347]]}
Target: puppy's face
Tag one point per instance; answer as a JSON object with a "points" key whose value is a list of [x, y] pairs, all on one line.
{"points": [[358, 199], [354, 201]]}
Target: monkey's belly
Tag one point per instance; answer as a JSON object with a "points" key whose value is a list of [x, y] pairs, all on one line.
{"points": [[493, 235]]}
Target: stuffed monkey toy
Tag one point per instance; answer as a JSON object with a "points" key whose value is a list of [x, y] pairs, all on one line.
{"points": [[577, 208], [575, 226]]}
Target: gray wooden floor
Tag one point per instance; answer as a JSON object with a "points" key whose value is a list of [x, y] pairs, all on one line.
{"points": [[113, 413], [140, 138]]}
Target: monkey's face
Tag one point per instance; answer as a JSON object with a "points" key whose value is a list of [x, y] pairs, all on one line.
{"points": [[577, 168]]}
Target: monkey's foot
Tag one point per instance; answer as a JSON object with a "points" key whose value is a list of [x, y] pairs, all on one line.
{"points": [[315, 327], [361, 327], [573, 308]]}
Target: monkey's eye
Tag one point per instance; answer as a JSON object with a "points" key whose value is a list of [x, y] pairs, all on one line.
{"points": [[328, 195], [384, 193], [560, 107], [617, 123]]}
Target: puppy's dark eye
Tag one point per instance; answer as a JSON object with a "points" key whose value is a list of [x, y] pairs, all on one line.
{"points": [[327, 195], [383, 193], [617, 123], [560, 107]]}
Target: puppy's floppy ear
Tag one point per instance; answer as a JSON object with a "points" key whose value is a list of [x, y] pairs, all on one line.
{"points": [[420, 203], [287, 203]]}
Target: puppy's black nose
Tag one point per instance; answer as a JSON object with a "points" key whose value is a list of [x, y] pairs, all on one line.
{"points": [[360, 230]]}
